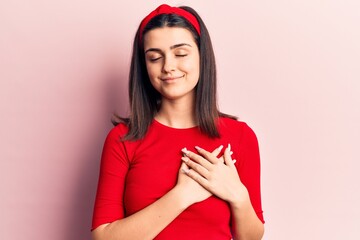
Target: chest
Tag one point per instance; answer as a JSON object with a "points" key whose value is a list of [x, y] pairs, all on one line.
{"points": [[155, 164]]}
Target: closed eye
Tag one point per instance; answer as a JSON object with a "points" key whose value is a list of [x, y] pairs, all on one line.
{"points": [[181, 55], [154, 59]]}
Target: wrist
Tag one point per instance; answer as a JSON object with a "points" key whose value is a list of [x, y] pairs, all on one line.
{"points": [[240, 200], [181, 197]]}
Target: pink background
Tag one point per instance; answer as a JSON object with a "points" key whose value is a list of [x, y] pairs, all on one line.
{"points": [[291, 69]]}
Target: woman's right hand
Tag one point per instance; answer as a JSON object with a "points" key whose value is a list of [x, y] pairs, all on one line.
{"points": [[192, 192]]}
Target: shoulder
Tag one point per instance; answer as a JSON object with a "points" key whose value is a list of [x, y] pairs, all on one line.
{"points": [[238, 130], [231, 124], [117, 132]]}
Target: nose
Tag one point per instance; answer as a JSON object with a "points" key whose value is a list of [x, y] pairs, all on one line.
{"points": [[169, 64]]}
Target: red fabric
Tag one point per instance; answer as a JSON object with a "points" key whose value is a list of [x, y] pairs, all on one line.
{"points": [[166, 9], [134, 174]]}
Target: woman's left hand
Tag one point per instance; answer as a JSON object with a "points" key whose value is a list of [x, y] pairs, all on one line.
{"points": [[219, 176]]}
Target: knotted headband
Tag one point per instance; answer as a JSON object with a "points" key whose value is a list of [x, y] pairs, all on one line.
{"points": [[166, 9]]}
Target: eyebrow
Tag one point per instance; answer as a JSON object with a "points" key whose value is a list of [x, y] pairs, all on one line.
{"points": [[172, 47]]}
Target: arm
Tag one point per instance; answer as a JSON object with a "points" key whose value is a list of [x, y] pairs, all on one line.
{"points": [[245, 223], [148, 222], [249, 172]]}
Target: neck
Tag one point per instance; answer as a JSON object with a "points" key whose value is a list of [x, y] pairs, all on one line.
{"points": [[177, 114]]}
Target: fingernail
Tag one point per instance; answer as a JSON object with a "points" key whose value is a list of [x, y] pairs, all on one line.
{"points": [[229, 146], [185, 170], [185, 151], [197, 148], [185, 159], [231, 152], [221, 147], [234, 161]]}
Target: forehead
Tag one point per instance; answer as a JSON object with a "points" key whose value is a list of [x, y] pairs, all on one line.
{"points": [[167, 36]]}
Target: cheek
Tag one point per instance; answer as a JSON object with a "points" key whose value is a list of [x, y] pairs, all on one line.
{"points": [[153, 74], [191, 67], [151, 70]]}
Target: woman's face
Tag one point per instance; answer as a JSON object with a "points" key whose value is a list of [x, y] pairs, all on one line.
{"points": [[172, 61]]}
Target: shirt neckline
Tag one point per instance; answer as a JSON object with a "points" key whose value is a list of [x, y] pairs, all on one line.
{"points": [[156, 122]]}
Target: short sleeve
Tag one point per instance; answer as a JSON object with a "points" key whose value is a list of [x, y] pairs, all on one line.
{"points": [[113, 168], [249, 168]]}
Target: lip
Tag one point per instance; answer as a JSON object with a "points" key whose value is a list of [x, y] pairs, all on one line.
{"points": [[170, 78]]}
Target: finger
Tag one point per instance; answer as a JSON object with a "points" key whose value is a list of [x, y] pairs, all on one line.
{"points": [[197, 158], [198, 178], [222, 157], [217, 150], [184, 168], [184, 151], [196, 167], [207, 155], [227, 156]]}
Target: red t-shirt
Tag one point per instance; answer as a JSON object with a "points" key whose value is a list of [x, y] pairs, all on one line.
{"points": [[134, 174]]}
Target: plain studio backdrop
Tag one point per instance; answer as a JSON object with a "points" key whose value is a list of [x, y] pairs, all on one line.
{"points": [[290, 69]]}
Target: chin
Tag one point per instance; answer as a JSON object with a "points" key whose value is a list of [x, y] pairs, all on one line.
{"points": [[178, 95]]}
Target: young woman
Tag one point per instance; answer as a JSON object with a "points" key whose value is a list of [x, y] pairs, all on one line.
{"points": [[164, 171]]}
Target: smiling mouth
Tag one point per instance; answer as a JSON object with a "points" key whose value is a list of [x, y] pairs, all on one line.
{"points": [[171, 78]]}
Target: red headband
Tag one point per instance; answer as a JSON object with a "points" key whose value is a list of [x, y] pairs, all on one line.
{"points": [[166, 9]]}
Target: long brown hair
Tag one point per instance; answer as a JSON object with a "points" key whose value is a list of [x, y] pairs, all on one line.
{"points": [[145, 100]]}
